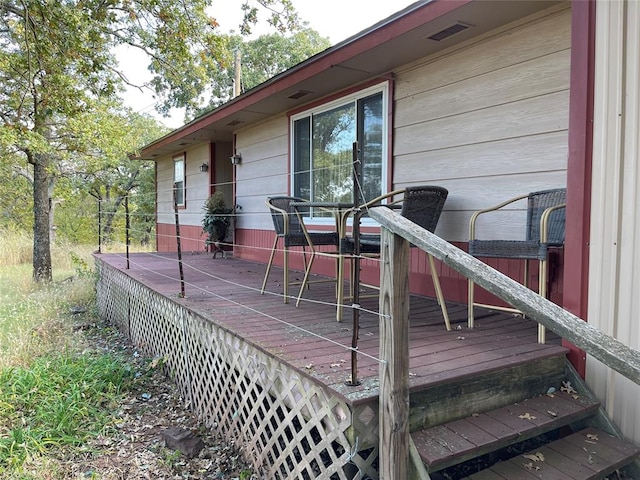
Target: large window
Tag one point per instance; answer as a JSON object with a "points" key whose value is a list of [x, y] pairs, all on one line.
{"points": [[323, 147], [178, 180]]}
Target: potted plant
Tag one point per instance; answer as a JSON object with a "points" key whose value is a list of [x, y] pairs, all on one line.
{"points": [[216, 221]]}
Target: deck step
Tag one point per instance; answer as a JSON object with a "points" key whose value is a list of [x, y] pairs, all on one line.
{"points": [[455, 442], [586, 455]]}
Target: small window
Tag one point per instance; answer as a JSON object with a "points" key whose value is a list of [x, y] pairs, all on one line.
{"points": [[178, 180]]}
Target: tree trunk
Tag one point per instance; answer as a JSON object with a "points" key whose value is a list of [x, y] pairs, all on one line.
{"points": [[41, 212]]}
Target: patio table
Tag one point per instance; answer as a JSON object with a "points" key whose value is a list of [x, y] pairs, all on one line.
{"points": [[340, 211]]}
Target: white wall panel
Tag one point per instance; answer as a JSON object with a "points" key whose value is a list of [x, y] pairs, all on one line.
{"points": [[614, 257]]}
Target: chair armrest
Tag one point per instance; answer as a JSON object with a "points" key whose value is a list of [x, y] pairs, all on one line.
{"points": [[544, 221], [474, 217], [284, 213], [376, 202]]}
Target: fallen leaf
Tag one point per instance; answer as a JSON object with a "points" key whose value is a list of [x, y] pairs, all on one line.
{"points": [[592, 436], [158, 361], [536, 457], [527, 416], [553, 414]]}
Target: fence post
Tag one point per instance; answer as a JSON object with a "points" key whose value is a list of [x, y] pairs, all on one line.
{"points": [[393, 414], [99, 225], [179, 246], [127, 227]]}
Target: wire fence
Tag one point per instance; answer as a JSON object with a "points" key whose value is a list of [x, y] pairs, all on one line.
{"points": [[129, 222]]}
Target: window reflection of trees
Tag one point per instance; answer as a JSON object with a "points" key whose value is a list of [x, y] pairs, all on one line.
{"points": [[371, 145], [322, 151], [333, 136]]}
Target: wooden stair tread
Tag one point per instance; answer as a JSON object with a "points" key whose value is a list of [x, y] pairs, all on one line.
{"points": [[586, 455], [460, 440]]}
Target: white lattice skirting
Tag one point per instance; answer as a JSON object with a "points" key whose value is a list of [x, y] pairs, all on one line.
{"points": [[291, 427]]}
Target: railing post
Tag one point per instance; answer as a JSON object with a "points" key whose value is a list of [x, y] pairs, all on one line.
{"points": [[394, 353]]}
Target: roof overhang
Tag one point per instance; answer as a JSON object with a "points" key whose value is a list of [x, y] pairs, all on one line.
{"points": [[374, 52]]}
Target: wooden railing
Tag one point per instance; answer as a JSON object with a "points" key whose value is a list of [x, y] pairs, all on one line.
{"points": [[397, 234]]}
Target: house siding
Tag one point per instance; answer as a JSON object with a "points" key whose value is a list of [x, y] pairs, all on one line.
{"points": [[196, 187], [490, 116], [196, 193], [263, 172], [614, 262], [488, 121]]}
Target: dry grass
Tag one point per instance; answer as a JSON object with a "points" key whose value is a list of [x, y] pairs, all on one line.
{"points": [[16, 247], [32, 316]]}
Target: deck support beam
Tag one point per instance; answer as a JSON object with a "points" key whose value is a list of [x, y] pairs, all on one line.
{"points": [[394, 355]]}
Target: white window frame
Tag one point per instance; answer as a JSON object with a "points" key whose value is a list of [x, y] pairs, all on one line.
{"points": [[182, 189], [351, 98]]}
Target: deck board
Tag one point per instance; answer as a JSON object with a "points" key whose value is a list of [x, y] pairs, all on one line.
{"points": [[308, 337]]}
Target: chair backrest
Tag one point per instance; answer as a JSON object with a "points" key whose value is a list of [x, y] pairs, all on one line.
{"points": [[277, 206], [423, 205], [538, 202]]}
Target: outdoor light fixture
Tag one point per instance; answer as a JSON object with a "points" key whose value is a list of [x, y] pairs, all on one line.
{"points": [[235, 159], [204, 167]]}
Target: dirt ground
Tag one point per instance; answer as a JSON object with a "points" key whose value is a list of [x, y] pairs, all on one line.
{"points": [[135, 448]]}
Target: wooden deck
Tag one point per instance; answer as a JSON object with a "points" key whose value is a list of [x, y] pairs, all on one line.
{"points": [[227, 292]]}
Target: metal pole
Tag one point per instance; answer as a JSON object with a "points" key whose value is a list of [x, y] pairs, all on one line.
{"points": [[355, 267], [127, 225], [175, 210], [99, 225]]}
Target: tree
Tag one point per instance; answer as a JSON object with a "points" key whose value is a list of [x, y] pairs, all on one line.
{"points": [[57, 66], [261, 59]]}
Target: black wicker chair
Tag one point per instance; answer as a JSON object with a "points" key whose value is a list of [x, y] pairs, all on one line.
{"points": [[290, 228], [423, 206], [544, 230]]}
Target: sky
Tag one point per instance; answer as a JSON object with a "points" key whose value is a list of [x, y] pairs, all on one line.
{"points": [[336, 19]]}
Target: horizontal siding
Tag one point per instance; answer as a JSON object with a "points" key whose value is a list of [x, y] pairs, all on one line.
{"points": [[488, 122], [263, 172], [518, 156], [196, 185], [262, 132], [522, 43], [534, 78], [533, 116]]}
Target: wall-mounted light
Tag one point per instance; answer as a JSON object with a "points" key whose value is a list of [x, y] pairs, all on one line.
{"points": [[235, 159], [204, 167]]}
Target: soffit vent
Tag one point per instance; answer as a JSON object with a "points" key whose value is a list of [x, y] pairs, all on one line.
{"points": [[299, 94], [233, 123], [449, 31]]}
